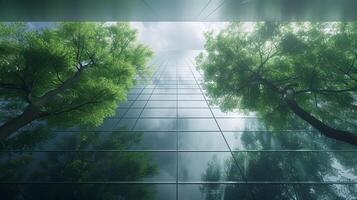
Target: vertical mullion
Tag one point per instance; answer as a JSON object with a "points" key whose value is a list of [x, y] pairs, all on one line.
{"points": [[177, 136], [147, 101], [219, 127], [127, 110]]}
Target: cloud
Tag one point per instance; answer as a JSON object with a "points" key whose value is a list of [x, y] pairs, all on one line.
{"points": [[40, 25], [163, 36]]}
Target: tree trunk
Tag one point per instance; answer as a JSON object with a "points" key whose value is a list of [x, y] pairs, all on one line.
{"points": [[326, 130], [11, 126]]}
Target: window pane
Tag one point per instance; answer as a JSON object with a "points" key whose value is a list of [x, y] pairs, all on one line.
{"points": [[147, 91], [194, 112], [168, 78], [164, 91], [165, 82], [192, 104], [163, 97], [162, 104], [124, 124], [201, 141], [240, 124], [191, 97], [138, 104], [150, 86], [156, 124], [132, 96], [165, 86], [133, 113], [202, 162], [155, 141], [144, 97], [188, 86], [189, 91], [151, 112], [187, 82], [197, 125]]}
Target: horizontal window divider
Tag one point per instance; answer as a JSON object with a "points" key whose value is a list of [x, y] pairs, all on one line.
{"points": [[168, 86], [186, 182], [173, 107], [171, 84], [174, 150], [190, 131], [173, 76], [169, 93], [167, 100], [187, 118]]}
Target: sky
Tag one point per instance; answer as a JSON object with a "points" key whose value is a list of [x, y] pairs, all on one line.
{"points": [[163, 36]]}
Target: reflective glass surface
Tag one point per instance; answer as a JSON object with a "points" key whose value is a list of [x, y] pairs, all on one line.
{"points": [[166, 142]]}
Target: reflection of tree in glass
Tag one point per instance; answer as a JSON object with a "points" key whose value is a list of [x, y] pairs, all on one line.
{"points": [[287, 70], [285, 166], [73, 70], [81, 166], [213, 173]]}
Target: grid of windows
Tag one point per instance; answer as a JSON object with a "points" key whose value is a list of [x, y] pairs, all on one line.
{"points": [[197, 150]]}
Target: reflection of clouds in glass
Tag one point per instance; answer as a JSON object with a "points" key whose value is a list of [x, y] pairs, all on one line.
{"points": [[175, 35], [193, 165], [40, 25], [163, 36]]}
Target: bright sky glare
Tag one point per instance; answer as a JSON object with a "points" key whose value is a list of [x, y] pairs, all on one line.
{"points": [[166, 36], [162, 36]]}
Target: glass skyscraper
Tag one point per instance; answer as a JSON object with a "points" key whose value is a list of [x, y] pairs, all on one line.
{"points": [[169, 141]]}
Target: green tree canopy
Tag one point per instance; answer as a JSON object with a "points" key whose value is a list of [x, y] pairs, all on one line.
{"points": [[285, 70], [72, 73]]}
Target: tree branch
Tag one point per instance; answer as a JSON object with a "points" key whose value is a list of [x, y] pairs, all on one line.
{"points": [[65, 84], [10, 86], [352, 63], [326, 90], [59, 112], [92, 100], [326, 130]]}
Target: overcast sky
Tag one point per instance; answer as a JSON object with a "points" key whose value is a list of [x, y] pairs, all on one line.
{"points": [[161, 36]]}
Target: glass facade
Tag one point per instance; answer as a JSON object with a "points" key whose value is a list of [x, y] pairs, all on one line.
{"points": [[168, 141]]}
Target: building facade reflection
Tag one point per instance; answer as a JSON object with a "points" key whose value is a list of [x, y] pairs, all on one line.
{"points": [[168, 141]]}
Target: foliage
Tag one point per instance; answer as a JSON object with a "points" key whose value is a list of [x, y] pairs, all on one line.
{"points": [[212, 174], [256, 70], [287, 166], [77, 71], [78, 166]]}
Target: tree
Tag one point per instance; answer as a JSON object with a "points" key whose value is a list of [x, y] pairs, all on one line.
{"points": [[213, 173], [76, 166], [287, 70], [281, 167], [76, 71]]}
